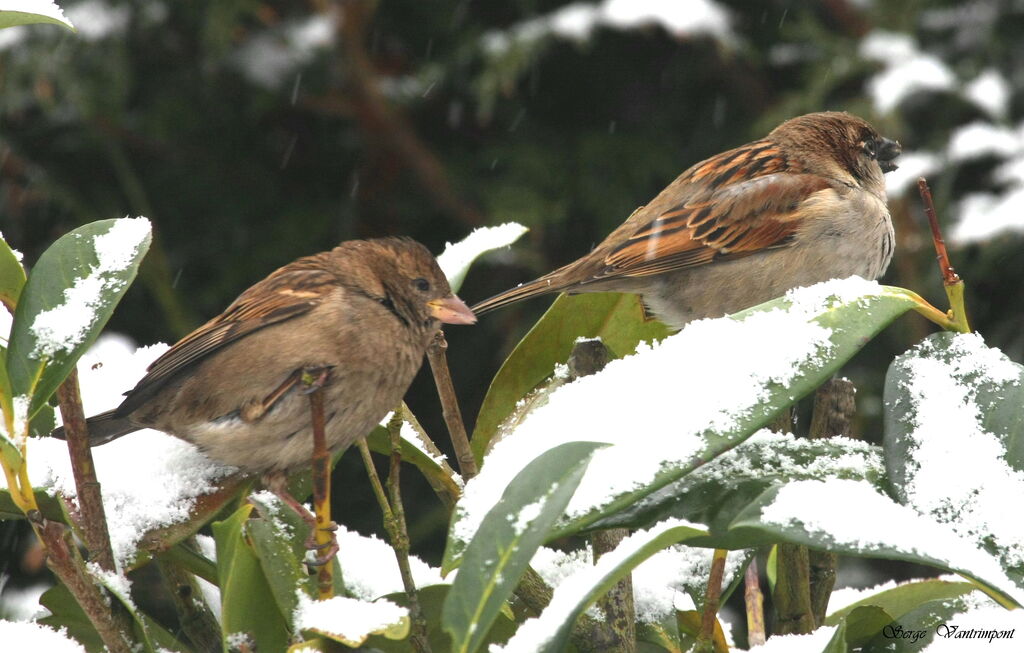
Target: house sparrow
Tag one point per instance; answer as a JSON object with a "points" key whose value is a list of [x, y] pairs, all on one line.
{"points": [[360, 316], [803, 205]]}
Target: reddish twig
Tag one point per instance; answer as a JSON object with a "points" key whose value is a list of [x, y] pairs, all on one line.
{"points": [[949, 275], [754, 601], [450, 405]]}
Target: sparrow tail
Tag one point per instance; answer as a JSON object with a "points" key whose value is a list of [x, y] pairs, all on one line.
{"points": [[541, 286], [102, 428]]}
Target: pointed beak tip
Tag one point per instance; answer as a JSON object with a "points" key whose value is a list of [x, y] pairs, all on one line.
{"points": [[451, 310]]}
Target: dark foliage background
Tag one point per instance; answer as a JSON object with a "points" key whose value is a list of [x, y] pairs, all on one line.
{"points": [[252, 133]]}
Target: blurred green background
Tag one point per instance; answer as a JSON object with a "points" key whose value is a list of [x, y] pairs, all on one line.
{"points": [[252, 133]]}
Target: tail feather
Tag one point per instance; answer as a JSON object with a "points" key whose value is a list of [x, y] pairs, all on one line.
{"points": [[102, 428], [541, 286]]}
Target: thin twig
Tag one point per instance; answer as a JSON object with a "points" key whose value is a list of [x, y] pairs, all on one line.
{"points": [[322, 494], [754, 601], [712, 601], [953, 284], [450, 405], [949, 275], [400, 537], [113, 626], [91, 517]]}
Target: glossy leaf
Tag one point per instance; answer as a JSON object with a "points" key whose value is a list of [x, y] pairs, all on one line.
{"points": [[915, 630], [617, 319], [12, 276], [52, 16], [810, 530], [905, 598], [245, 593], [82, 276], [509, 535]]}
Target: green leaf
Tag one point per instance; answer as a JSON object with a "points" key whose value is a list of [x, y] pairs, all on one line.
{"points": [[48, 505], [278, 545], [55, 17], [503, 546], [560, 615], [73, 289], [904, 598], [66, 613], [862, 624], [914, 630], [617, 319], [12, 274], [431, 600], [821, 526], [246, 606], [838, 642]]}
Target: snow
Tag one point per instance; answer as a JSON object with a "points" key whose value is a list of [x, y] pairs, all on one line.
{"points": [[40, 7], [906, 70], [814, 642], [211, 593], [272, 58], [63, 327], [28, 636], [22, 604], [991, 92], [979, 139], [97, 19], [971, 489], [533, 634], [912, 166], [577, 21], [457, 257], [625, 404], [351, 619], [149, 479], [853, 513], [370, 569]]}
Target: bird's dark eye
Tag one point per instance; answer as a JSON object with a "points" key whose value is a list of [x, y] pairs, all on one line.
{"points": [[421, 284], [870, 149]]}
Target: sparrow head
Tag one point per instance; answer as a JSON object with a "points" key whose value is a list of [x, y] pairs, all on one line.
{"points": [[840, 145], [403, 276]]}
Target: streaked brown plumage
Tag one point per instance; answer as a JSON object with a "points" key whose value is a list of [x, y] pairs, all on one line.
{"points": [[366, 310], [804, 204]]}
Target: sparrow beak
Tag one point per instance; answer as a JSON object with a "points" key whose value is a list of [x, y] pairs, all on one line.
{"points": [[451, 310], [887, 151]]}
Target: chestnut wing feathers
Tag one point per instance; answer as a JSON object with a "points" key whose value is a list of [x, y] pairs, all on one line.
{"points": [[290, 291], [726, 214]]}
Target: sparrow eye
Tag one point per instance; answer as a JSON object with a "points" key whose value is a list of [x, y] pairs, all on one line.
{"points": [[870, 149], [421, 284]]}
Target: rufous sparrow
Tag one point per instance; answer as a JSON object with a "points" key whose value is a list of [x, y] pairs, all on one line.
{"points": [[362, 315], [802, 205]]}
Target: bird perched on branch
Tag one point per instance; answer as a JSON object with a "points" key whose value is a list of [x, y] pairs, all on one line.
{"points": [[802, 205], [359, 318]]}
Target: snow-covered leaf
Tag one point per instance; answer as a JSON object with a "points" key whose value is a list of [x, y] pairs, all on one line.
{"points": [[508, 537], [676, 406], [715, 493], [67, 300], [457, 257], [351, 621], [954, 440], [247, 611], [549, 633], [853, 518], [27, 12], [617, 319]]}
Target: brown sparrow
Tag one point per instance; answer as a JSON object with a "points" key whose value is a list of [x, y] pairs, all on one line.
{"points": [[803, 205], [360, 315]]}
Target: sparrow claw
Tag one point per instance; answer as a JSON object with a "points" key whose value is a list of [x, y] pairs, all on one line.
{"points": [[314, 378], [326, 550]]}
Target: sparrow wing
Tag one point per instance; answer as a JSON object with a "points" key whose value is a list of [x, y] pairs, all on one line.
{"points": [[737, 203], [290, 291]]}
